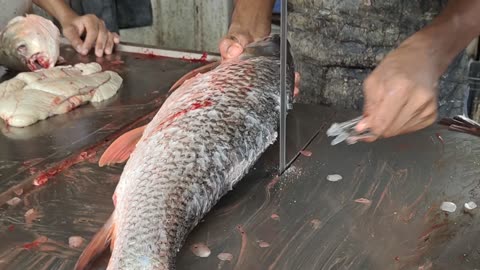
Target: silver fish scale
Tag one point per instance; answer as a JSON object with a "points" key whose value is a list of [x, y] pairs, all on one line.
{"points": [[202, 141]]}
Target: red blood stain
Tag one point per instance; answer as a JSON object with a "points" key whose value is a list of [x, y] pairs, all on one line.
{"points": [[35, 243], [11, 228], [168, 121], [117, 62], [275, 217], [45, 176], [202, 59]]}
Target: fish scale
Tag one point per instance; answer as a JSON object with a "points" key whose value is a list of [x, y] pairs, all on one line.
{"points": [[178, 171]]}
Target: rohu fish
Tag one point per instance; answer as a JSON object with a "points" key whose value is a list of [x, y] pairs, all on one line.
{"points": [[28, 43], [206, 136]]}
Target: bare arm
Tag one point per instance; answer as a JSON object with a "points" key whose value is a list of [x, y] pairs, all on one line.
{"points": [[401, 93], [73, 27], [251, 20]]}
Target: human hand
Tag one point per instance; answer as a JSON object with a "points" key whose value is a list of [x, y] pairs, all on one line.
{"points": [[96, 35], [401, 94], [233, 44]]}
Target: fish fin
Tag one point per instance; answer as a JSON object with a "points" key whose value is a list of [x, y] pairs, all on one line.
{"points": [[119, 151], [97, 245], [193, 73]]}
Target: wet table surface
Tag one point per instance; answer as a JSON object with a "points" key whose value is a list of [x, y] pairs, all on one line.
{"points": [[383, 214]]}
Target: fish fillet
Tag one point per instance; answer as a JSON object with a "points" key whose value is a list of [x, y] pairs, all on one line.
{"points": [[33, 96]]}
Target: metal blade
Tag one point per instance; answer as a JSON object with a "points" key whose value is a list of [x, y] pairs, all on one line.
{"points": [[283, 85]]}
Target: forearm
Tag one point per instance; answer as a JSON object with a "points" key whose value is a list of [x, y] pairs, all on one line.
{"points": [[57, 8], [449, 33], [253, 16]]}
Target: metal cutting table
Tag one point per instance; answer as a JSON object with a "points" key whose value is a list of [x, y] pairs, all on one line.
{"points": [[383, 214]]}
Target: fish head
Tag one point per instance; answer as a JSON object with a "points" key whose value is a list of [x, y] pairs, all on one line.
{"points": [[270, 46], [30, 43]]}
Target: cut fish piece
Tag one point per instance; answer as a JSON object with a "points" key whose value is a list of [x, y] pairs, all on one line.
{"points": [[33, 96]]}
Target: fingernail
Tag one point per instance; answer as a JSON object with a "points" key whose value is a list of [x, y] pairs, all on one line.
{"points": [[84, 51], [361, 126], [78, 48]]}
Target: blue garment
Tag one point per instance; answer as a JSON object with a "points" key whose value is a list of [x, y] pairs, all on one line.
{"points": [[277, 6]]}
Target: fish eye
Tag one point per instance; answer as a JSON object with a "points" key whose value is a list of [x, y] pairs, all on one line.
{"points": [[22, 48]]}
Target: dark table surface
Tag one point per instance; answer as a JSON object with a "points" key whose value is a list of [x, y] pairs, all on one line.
{"points": [[383, 214]]}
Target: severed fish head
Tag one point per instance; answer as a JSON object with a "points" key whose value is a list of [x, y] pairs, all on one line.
{"points": [[29, 43]]}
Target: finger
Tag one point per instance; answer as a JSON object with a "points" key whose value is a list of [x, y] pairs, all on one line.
{"points": [[372, 89], [92, 34], [109, 45], [73, 35], [296, 90], [410, 113], [425, 119], [230, 49], [101, 39], [116, 38]]}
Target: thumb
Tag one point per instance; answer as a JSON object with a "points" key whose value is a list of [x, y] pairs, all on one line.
{"points": [[229, 48], [72, 34]]}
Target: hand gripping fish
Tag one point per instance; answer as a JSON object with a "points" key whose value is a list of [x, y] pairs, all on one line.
{"points": [[207, 135], [28, 43]]}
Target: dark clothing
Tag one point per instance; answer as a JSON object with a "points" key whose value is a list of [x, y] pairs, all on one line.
{"points": [[117, 14]]}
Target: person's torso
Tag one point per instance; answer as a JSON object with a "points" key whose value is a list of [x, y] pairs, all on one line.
{"points": [[13, 8]]}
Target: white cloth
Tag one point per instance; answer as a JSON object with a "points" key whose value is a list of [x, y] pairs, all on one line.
{"points": [[13, 8]]}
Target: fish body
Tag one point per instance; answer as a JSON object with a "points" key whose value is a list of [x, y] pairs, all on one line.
{"points": [[28, 43], [203, 140]]}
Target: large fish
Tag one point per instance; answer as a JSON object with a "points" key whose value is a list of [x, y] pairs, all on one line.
{"points": [[28, 43], [203, 140]]}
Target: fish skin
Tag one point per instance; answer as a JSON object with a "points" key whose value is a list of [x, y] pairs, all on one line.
{"points": [[203, 140], [28, 43]]}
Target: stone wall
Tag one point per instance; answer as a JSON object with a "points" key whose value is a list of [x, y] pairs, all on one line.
{"points": [[337, 43]]}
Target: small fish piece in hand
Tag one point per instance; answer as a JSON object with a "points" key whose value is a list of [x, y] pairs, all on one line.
{"points": [[448, 207], [334, 177]]}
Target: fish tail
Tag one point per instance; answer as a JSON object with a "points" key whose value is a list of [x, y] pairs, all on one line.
{"points": [[100, 242], [119, 151]]}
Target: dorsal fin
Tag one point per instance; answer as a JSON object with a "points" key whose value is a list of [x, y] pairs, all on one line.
{"points": [[119, 151]]}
